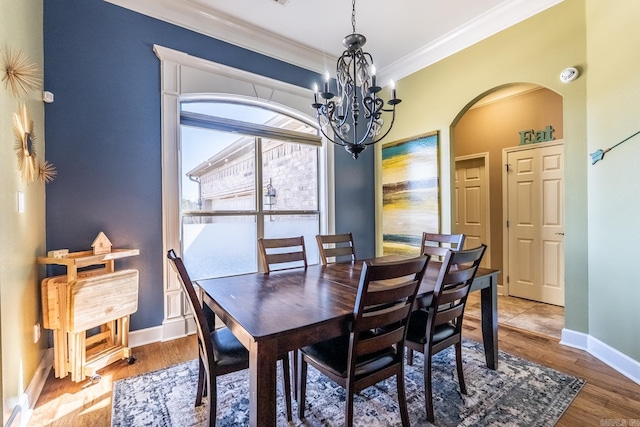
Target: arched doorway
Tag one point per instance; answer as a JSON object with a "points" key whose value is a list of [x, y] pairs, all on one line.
{"points": [[510, 117]]}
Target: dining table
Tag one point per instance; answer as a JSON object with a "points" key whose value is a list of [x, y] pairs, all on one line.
{"points": [[272, 314]]}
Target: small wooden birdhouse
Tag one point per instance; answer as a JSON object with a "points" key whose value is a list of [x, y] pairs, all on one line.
{"points": [[101, 245]]}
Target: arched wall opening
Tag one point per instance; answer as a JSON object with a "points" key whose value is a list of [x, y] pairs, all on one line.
{"points": [[493, 121]]}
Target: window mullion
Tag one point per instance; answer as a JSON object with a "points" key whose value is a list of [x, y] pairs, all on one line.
{"points": [[259, 180]]}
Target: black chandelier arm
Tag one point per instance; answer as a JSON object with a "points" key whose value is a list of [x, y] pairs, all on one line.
{"points": [[393, 118], [321, 112], [328, 110], [343, 141], [328, 137], [373, 106], [340, 140]]}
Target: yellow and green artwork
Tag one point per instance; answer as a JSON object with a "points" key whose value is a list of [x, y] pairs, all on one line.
{"points": [[409, 193]]}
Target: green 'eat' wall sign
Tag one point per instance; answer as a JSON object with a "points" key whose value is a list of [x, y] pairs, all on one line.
{"points": [[531, 136]]}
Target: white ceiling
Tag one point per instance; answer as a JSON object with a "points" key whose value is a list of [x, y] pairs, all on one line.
{"points": [[403, 36]]}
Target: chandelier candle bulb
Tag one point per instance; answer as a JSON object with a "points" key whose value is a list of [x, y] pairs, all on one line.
{"points": [[373, 76], [392, 84], [326, 82]]}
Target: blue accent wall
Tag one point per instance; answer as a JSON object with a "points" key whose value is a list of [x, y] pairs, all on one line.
{"points": [[103, 134], [355, 199]]}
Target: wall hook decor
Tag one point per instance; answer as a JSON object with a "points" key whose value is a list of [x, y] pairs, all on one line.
{"points": [[599, 154]]}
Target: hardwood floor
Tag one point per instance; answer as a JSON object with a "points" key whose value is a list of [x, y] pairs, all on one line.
{"points": [[607, 399], [65, 403]]}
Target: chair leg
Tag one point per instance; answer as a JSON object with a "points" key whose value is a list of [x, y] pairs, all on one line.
{"points": [[213, 397], [410, 356], [402, 398], [302, 383], [286, 385], [348, 405], [463, 387], [428, 397], [294, 378], [201, 372]]}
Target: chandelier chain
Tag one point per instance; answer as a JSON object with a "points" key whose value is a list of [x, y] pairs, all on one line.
{"points": [[353, 16]]}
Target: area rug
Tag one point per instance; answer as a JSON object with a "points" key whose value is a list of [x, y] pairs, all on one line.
{"points": [[519, 393]]}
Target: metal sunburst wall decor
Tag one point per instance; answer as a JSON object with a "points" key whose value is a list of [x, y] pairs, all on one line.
{"points": [[46, 172], [19, 74], [25, 148]]}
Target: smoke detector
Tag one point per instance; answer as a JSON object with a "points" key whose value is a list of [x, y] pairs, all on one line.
{"points": [[569, 74], [282, 2]]}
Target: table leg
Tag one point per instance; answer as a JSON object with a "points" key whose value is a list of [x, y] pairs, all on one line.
{"points": [[489, 307], [262, 383]]}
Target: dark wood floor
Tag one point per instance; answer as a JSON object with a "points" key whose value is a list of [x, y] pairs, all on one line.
{"points": [[607, 399]]}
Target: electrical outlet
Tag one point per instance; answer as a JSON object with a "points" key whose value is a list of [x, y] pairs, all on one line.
{"points": [[36, 333]]}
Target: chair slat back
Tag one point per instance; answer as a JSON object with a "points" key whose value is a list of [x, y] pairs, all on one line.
{"points": [[436, 244], [452, 287], [282, 250], [205, 344], [336, 246], [382, 309]]}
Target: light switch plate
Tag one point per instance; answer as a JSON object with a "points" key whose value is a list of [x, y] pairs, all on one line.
{"points": [[20, 202]]}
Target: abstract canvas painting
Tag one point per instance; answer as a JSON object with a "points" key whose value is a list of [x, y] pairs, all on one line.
{"points": [[410, 193]]}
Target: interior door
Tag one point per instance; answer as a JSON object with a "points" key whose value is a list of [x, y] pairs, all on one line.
{"points": [[471, 207], [535, 226]]}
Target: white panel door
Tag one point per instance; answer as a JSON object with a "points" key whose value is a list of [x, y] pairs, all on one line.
{"points": [[535, 223], [471, 196]]}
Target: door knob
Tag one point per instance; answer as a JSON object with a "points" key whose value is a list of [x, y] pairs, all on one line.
{"points": [[559, 234]]}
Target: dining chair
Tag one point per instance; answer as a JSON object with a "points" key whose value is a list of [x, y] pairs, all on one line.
{"points": [[336, 246], [437, 244], [282, 251], [373, 350], [219, 350], [439, 326]]}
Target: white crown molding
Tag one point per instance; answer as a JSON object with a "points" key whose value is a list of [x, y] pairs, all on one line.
{"points": [[195, 17], [492, 22]]}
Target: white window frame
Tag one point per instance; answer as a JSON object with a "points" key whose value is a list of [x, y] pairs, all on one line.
{"points": [[222, 79]]}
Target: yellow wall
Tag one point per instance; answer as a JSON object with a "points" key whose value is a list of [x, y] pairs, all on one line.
{"points": [[614, 188], [23, 234], [534, 51], [497, 125]]}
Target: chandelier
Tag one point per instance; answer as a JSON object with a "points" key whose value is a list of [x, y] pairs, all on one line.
{"points": [[357, 93]]}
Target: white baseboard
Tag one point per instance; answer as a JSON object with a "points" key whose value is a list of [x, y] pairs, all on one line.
{"points": [[622, 363], [145, 336], [167, 332], [22, 411]]}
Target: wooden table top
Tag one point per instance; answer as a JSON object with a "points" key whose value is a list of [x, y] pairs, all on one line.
{"points": [[299, 297]]}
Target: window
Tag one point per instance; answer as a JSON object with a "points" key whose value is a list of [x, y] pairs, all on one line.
{"points": [[247, 171]]}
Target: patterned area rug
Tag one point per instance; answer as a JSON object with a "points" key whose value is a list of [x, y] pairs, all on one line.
{"points": [[519, 393]]}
